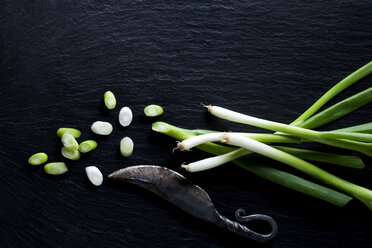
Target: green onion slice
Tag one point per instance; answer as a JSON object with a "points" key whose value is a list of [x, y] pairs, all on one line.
{"points": [[153, 110], [126, 146], [109, 99], [56, 168], [87, 146], [38, 158], [70, 154], [74, 132], [69, 141]]}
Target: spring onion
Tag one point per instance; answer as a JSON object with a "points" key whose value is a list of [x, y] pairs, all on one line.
{"points": [[70, 154], [331, 158], [101, 128], [363, 194], [69, 141], [56, 168], [94, 175], [74, 132], [126, 146], [293, 130], [125, 116], [87, 146], [38, 158], [153, 110], [272, 174], [109, 99]]}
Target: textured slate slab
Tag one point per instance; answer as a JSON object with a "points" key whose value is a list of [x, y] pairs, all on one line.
{"points": [[268, 58]]}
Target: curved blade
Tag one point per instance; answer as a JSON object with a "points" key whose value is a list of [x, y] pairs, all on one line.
{"points": [[172, 187]]}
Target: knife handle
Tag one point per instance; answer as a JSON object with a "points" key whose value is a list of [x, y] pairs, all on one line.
{"points": [[244, 231]]}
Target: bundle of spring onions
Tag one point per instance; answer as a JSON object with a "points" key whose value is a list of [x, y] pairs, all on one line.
{"points": [[355, 138]]}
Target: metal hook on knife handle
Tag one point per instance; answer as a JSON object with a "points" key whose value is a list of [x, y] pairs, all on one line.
{"points": [[244, 231]]}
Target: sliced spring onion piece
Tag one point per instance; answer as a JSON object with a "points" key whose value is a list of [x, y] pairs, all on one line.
{"points": [[361, 193], [70, 154], [335, 90], [56, 168], [125, 116], [69, 141], [304, 133], [269, 173], [74, 132], [94, 175], [38, 158], [339, 109], [126, 146], [109, 99], [153, 110], [87, 146], [101, 128]]}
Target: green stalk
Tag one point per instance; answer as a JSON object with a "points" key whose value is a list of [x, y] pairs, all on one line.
{"points": [[292, 130], [364, 137], [343, 84], [325, 157], [277, 176], [363, 128], [338, 110], [262, 137]]}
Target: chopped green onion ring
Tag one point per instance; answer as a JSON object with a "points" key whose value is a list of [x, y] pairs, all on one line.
{"points": [[56, 168], [87, 146], [69, 141], [101, 128], [153, 110], [109, 99], [38, 158], [74, 132], [126, 146], [70, 154]]}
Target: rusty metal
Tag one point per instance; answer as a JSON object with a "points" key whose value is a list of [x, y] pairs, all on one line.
{"points": [[182, 193]]}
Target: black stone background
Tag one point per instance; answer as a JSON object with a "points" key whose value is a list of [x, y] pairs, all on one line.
{"points": [[270, 59]]}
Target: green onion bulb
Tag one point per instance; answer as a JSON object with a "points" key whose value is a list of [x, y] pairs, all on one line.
{"points": [[153, 110], [74, 132], [38, 158], [56, 168], [87, 146], [126, 146], [109, 99]]}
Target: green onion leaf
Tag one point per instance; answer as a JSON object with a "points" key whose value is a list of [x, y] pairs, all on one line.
{"points": [[339, 110]]}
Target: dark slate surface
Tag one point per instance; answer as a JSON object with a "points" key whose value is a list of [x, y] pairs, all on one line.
{"points": [[267, 58]]}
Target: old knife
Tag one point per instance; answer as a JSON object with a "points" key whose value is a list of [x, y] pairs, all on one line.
{"points": [[176, 189]]}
